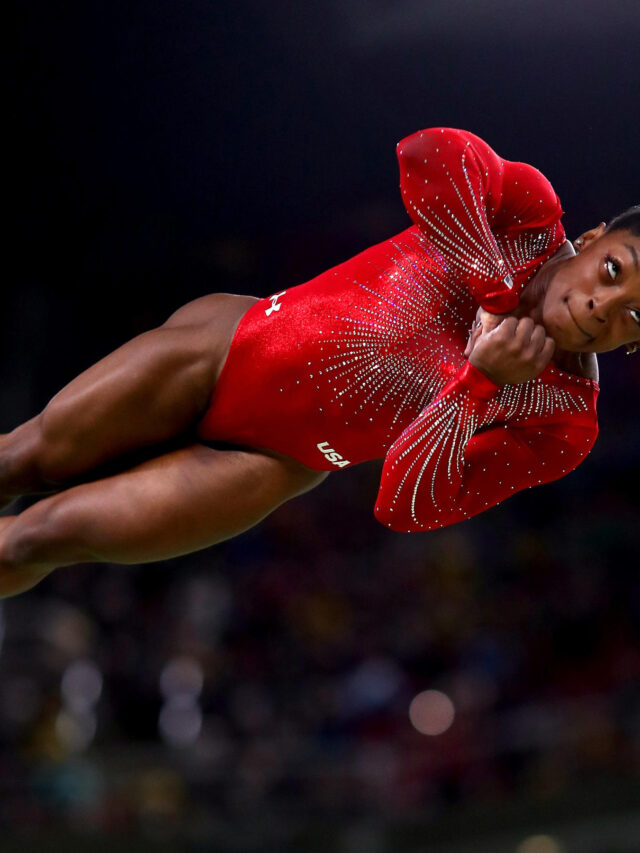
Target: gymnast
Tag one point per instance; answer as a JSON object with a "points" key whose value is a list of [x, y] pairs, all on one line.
{"points": [[193, 432]]}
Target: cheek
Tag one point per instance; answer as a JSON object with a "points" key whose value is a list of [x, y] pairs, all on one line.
{"points": [[561, 281], [553, 302]]}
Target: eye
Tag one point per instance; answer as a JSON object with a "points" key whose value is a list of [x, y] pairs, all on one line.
{"points": [[612, 267], [635, 313]]}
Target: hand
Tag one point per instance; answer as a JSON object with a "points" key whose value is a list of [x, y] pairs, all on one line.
{"points": [[512, 352], [485, 322]]}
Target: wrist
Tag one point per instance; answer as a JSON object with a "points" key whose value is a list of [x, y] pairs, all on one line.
{"points": [[476, 380]]}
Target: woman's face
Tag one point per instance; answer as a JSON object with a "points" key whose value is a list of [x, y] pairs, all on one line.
{"points": [[592, 301]]}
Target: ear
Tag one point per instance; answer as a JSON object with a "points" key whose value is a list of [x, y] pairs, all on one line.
{"points": [[589, 236]]}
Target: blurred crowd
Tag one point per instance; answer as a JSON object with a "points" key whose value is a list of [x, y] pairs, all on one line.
{"points": [[274, 674], [319, 667], [288, 673]]}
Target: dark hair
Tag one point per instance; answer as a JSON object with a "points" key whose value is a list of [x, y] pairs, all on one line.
{"points": [[627, 221]]}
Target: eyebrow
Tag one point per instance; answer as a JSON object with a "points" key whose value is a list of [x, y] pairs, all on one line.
{"points": [[634, 254]]}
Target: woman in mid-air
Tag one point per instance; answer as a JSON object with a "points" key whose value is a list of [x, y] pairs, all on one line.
{"points": [[372, 359]]}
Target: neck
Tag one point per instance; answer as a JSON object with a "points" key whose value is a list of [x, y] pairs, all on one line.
{"points": [[531, 305], [532, 296]]}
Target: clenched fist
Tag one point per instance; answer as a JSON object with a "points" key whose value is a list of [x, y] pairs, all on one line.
{"points": [[513, 351]]}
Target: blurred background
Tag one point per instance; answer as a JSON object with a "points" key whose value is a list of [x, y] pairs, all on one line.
{"points": [[319, 683]]}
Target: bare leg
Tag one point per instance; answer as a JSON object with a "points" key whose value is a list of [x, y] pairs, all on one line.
{"points": [[148, 391], [174, 504]]}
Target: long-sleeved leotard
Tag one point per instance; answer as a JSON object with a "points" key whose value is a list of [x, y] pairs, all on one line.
{"points": [[366, 360]]}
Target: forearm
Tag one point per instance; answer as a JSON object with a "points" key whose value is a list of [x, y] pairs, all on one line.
{"points": [[424, 468], [469, 449]]}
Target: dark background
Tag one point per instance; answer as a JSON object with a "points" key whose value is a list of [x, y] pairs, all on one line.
{"points": [[157, 151]]}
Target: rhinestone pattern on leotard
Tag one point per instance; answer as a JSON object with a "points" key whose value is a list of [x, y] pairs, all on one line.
{"points": [[352, 365], [430, 452], [401, 341]]}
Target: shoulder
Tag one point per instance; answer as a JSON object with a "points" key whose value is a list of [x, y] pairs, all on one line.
{"points": [[590, 366], [584, 364], [530, 197]]}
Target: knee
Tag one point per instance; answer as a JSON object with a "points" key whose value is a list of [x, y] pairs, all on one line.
{"points": [[40, 537], [24, 540], [19, 452], [52, 449], [31, 456], [310, 480], [291, 478]]}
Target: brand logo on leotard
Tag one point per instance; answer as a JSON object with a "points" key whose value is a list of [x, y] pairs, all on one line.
{"points": [[275, 305], [331, 455]]}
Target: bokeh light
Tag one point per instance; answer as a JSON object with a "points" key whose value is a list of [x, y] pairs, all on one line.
{"points": [[540, 844], [180, 722], [81, 685], [180, 719], [181, 676], [75, 731], [431, 712]]}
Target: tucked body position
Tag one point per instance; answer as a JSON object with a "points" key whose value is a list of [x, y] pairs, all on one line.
{"points": [[461, 351]]}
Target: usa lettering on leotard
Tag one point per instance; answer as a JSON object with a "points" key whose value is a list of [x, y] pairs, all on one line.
{"points": [[331, 455]]}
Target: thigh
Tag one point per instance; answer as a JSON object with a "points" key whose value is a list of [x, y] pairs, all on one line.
{"points": [[174, 504], [219, 315], [148, 391]]}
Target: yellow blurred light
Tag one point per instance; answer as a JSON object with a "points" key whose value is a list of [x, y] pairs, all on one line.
{"points": [[431, 712], [540, 844]]}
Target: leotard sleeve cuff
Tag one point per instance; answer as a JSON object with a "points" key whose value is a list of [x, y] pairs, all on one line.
{"points": [[476, 382], [500, 301]]}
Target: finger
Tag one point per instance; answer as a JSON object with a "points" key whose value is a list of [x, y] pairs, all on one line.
{"points": [[470, 338], [524, 331], [469, 347], [538, 339], [490, 321], [545, 354], [473, 338], [506, 329]]}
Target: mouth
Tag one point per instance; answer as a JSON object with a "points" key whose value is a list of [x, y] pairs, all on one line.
{"points": [[578, 326]]}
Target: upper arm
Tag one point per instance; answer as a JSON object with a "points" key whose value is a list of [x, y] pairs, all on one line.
{"points": [[463, 197], [443, 167], [444, 164]]}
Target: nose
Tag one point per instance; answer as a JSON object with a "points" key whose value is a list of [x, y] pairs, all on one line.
{"points": [[603, 304], [596, 314]]}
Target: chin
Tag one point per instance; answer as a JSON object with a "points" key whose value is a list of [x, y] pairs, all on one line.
{"points": [[568, 344], [567, 338], [557, 331]]}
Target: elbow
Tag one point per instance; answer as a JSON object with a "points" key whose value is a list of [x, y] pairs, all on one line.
{"points": [[388, 518], [401, 523]]}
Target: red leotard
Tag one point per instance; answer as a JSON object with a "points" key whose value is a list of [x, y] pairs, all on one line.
{"points": [[366, 360]]}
